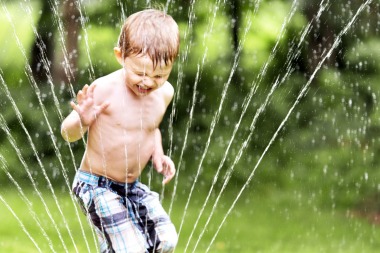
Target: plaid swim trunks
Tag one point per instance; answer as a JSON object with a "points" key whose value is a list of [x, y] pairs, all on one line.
{"points": [[126, 217]]}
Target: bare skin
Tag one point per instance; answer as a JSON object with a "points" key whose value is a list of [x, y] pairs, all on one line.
{"points": [[121, 113]]}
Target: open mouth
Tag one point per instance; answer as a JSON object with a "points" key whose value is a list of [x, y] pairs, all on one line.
{"points": [[143, 89]]}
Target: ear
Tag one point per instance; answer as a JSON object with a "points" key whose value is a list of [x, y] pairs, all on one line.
{"points": [[118, 56]]}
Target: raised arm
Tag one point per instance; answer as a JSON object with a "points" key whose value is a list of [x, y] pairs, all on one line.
{"points": [[83, 115]]}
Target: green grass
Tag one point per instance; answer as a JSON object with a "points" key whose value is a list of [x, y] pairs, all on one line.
{"points": [[270, 222]]}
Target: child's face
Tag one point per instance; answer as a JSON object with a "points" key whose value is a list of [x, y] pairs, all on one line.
{"points": [[141, 77]]}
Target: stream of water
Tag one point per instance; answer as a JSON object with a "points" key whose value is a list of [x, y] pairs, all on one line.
{"points": [[188, 37]]}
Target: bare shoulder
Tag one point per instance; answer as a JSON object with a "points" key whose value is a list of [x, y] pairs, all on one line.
{"points": [[105, 86], [167, 91]]}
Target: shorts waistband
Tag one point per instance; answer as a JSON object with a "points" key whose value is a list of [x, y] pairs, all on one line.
{"points": [[102, 181]]}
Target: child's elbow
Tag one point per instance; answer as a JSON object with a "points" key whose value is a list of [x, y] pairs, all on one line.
{"points": [[65, 134]]}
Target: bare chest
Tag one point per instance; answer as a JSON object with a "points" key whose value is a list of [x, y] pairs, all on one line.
{"points": [[134, 115]]}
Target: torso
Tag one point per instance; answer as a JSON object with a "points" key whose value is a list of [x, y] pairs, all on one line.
{"points": [[121, 141]]}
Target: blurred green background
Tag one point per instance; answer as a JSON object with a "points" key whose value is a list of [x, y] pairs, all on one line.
{"points": [[277, 178]]}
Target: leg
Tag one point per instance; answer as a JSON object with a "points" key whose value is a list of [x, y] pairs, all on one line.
{"points": [[102, 241], [114, 226], [116, 223], [164, 231]]}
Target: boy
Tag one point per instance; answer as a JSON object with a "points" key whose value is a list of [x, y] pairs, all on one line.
{"points": [[121, 113]]}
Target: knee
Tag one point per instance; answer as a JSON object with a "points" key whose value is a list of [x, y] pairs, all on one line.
{"points": [[168, 244], [168, 240]]}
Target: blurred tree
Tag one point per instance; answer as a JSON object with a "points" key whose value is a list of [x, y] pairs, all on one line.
{"points": [[321, 37], [43, 45], [66, 64], [45, 54], [234, 10]]}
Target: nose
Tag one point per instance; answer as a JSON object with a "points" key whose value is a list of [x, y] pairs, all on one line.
{"points": [[148, 82]]}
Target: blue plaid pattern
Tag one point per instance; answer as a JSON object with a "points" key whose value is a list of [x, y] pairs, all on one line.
{"points": [[126, 217]]}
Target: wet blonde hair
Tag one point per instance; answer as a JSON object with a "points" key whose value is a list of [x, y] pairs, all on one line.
{"points": [[151, 32]]}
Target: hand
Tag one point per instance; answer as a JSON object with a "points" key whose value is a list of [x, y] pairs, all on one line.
{"points": [[86, 108], [164, 165]]}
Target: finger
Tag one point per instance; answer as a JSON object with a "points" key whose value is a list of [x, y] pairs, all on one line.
{"points": [[167, 179], [80, 97], [74, 106], [85, 89], [172, 166], [169, 166], [103, 106], [90, 91], [159, 167], [169, 173]]}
